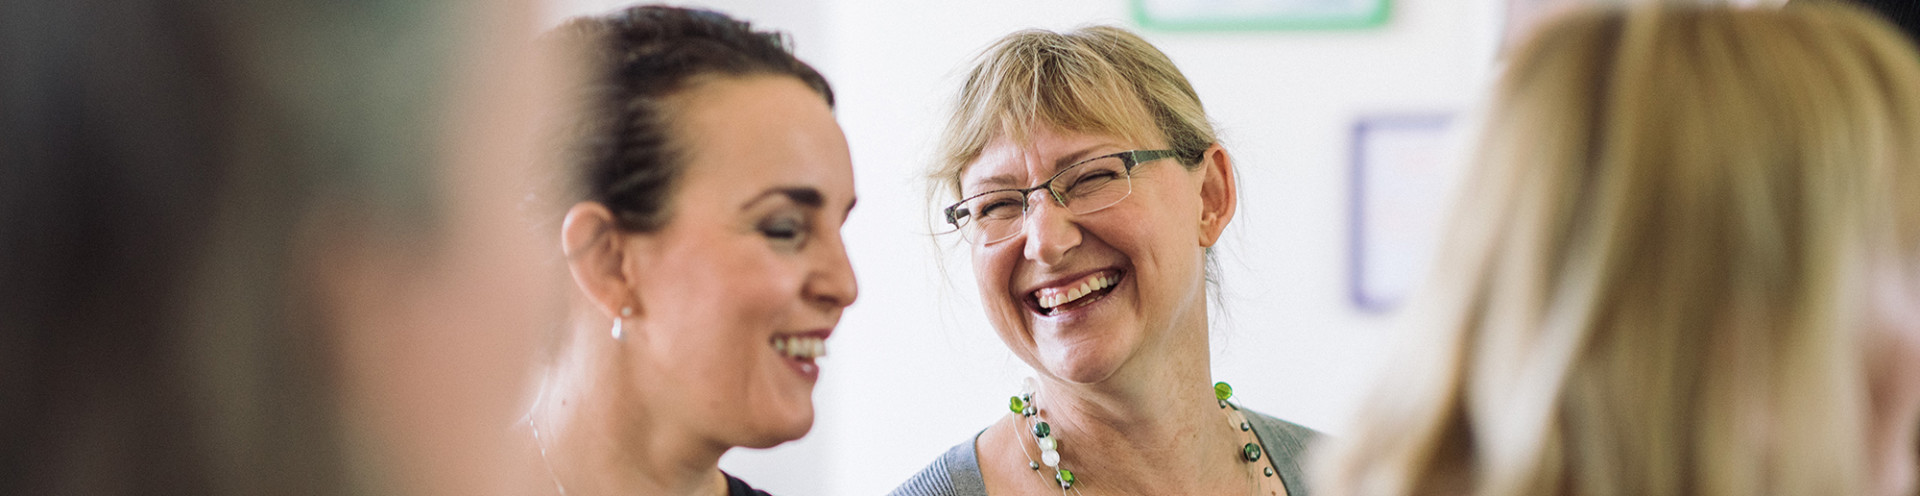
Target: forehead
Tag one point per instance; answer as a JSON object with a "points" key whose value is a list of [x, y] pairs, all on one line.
{"points": [[737, 134], [1008, 162]]}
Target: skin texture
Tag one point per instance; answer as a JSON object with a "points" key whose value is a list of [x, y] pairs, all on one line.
{"points": [[753, 251], [1125, 378], [1893, 374]]}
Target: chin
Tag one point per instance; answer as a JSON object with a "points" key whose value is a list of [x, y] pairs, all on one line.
{"points": [[776, 426], [1081, 367]]}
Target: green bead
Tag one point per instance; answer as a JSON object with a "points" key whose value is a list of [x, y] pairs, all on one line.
{"points": [[1065, 476], [1222, 391], [1017, 404], [1042, 429], [1251, 452]]}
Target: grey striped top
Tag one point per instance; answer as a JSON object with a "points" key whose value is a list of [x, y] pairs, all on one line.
{"points": [[957, 473]]}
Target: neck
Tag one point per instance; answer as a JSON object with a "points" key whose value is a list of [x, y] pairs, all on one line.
{"points": [[1147, 430], [599, 435]]}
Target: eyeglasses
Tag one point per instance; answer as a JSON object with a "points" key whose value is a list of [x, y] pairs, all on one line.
{"points": [[1082, 188]]}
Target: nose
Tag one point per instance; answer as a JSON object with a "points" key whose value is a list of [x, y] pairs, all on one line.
{"points": [[1050, 231], [832, 284]]}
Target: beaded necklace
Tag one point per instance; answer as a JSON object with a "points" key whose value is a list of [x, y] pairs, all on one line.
{"points": [[1049, 442]]}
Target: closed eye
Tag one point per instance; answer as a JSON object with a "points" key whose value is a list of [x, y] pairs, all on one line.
{"points": [[1095, 178], [788, 230], [999, 208]]}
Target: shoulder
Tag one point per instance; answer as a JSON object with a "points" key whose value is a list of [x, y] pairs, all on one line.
{"points": [[954, 473], [1286, 444], [1273, 429]]}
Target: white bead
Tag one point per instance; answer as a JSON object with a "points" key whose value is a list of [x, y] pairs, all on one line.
{"points": [[1028, 386], [1050, 457], [1048, 444]]}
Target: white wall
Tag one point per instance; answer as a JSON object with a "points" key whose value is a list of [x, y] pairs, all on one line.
{"points": [[915, 368]]}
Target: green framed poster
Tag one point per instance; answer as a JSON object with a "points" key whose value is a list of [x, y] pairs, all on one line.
{"points": [[1259, 15]]}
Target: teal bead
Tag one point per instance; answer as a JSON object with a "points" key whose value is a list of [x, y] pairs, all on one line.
{"points": [[1222, 391], [1042, 429], [1251, 452], [1017, 404]]}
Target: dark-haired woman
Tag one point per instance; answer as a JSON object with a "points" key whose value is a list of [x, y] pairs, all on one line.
{"points": [[711, 181]]}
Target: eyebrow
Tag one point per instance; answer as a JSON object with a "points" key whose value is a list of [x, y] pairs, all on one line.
{"points": [[1008, 180], [803, 195]]}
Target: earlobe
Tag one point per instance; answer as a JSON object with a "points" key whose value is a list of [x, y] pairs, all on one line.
{"points": [[595, 256]]}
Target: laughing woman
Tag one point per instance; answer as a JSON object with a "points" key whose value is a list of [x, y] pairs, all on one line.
{"points": [[1089, 187], [711, 182]]}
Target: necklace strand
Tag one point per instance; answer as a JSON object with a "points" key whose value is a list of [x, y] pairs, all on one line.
{"points": [[1048, 443], [541, 444]]}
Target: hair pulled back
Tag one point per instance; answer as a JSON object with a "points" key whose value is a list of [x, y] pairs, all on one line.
{"points": [[619, 149]]}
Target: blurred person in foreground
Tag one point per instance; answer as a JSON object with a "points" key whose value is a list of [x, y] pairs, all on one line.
{"points": [[1687, 262], [708, 183], [1090, 189], [265, 247]]}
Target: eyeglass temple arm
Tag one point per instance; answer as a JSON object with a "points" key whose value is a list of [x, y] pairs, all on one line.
{"points": [[954, 213], [1140, 156]]}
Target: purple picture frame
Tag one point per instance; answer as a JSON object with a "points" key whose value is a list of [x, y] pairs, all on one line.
{"points": [[1367, 131]]}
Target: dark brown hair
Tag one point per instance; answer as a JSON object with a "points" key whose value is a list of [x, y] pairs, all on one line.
{"points": [[619, 148]]}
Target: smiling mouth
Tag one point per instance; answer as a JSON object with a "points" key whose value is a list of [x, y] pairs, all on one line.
{"points": [[799, 347], [1074, 294]]}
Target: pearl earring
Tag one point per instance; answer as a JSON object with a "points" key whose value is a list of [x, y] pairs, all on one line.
{"points": [[620, 334]]}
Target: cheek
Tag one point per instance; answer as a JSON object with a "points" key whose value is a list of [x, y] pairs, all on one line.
{"points": [[1148, 238], [714, 308], [993, 272], [991, 268]]}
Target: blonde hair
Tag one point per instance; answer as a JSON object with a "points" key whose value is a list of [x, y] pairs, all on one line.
{"points": [[1096, 80], [1654, 281]]}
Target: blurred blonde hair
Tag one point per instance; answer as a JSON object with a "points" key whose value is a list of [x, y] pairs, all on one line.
{"points": [[1655, 278], [1095, 80]]}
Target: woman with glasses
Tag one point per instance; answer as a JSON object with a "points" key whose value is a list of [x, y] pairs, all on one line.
{"points": [[710, 182], [1089, 189]]}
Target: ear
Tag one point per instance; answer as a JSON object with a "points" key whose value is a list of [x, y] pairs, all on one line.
{"points": [[1219, 194], [595, 254]]}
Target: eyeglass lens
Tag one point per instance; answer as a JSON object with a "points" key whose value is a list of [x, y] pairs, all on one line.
{"points": [[1085, 188]]}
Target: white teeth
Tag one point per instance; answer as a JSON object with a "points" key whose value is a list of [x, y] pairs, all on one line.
{"points": [[1057, 298], [802, 347]]}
